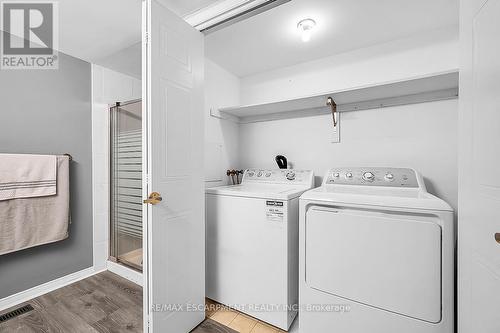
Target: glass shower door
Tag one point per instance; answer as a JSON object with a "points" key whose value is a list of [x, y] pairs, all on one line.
{"points": [[126, 184]]}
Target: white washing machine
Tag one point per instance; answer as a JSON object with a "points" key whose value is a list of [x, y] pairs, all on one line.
{"points": [[376, 255], [252, 243]]}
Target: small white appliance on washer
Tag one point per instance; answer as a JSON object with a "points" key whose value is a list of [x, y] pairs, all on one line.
{"points": [[252, 243], [376, 255]]}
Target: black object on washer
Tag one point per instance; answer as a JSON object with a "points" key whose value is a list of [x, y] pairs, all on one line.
{"points": [[281, 161]]}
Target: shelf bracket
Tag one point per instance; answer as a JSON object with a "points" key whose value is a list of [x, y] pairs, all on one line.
{"points": [[331, 103]]}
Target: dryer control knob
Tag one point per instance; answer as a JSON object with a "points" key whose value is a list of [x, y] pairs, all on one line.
{"points": [[259, 174], [290, 175], [369, 176], [389, 177], [348, 175], [336, 175]]}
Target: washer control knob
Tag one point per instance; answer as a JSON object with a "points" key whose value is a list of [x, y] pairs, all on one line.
{"points": [[336, 175], [290, 175], [259, 174], [369, 176], [251, 173], [349, 175], [268, 174], [389, 177]]}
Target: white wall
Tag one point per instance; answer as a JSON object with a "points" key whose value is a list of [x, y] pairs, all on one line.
{"points": [[127, 61], [421, 136], [221, 136], [398, 60], [108, 87]]}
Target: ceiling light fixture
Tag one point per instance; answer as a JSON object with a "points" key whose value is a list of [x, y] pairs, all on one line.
{"points": [[305, 27]]}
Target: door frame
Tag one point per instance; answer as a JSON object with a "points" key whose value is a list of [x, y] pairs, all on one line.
{"points": [[146, 163]]}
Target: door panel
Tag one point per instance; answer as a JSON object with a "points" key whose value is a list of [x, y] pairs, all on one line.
{"points": [[178, 157], [176, 232], [479, 188]]}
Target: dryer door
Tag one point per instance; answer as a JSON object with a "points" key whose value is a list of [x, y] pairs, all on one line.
{"points": [[388, 260]]}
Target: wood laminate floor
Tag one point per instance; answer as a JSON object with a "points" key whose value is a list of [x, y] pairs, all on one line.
{"points": [[103, 302], [108, 303]]}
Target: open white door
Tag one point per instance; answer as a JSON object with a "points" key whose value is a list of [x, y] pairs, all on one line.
{"points": [[175, 230], [479, 161]]}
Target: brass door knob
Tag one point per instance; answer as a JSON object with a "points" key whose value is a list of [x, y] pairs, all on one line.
{"points": [[154, 198]]}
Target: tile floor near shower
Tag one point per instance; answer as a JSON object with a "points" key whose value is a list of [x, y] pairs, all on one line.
{"points": [[133, 259], [237, 321]]}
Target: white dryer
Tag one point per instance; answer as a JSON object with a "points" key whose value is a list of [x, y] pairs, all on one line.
{"points": [[376, 255], [252, 243]]}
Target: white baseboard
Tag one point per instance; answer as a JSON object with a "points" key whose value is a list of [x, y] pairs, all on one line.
{"points": [[47, 287], [125, 272]]}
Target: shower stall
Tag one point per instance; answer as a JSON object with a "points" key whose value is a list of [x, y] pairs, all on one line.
{"points": [[126, 220]]}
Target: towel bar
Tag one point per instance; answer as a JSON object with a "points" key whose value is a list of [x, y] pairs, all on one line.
{"points": [[65, 154]]}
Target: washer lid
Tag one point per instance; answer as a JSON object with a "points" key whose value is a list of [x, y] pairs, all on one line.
{"points": [[269, 191], [377, 196]]}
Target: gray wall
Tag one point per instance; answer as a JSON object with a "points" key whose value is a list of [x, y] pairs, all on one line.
{"points": [[49, 112]]}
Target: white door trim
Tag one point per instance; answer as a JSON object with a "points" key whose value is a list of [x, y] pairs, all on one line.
{"points": [[128, 273], [146, 96]]}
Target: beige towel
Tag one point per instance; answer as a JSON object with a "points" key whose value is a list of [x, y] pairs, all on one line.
{"points": [[29, 222], [27, 176]]}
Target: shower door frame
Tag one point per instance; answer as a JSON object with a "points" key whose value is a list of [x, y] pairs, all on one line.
{"points": [[113, 243]]}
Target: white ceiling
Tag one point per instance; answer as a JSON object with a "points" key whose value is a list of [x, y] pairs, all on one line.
{"points": [[94, 29], [108, 32], [186, 7], [270, 40], [98, 30]]}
